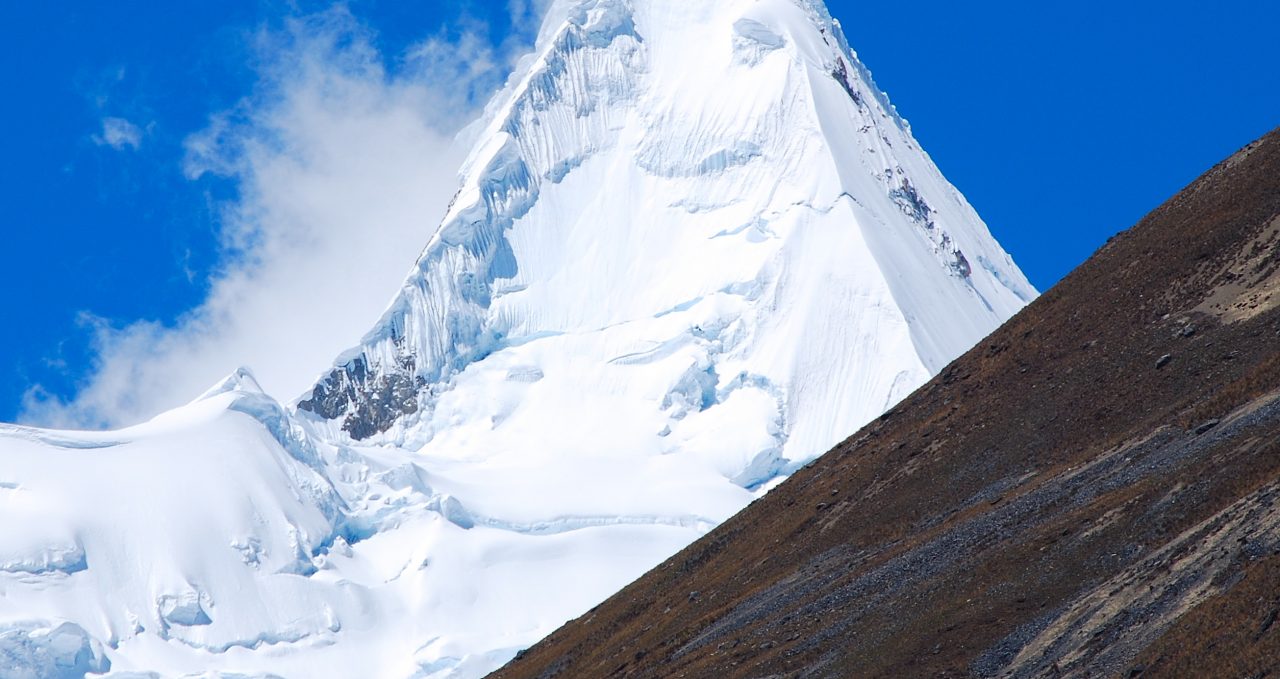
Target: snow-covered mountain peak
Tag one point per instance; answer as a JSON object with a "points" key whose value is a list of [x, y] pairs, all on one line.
{"points": [[653, 155], [693, 247]]}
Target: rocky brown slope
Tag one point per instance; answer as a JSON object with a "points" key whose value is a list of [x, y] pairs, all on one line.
{"points": [[1093, 490]]}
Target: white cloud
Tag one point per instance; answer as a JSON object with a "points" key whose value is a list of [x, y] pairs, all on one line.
{"points": [[119, 133], [344, 168]]}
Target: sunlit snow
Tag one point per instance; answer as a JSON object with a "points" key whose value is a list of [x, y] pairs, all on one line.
{"points": [[693, 248]]}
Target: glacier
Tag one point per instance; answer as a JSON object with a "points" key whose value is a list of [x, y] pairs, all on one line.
{"points": [[694, 246]]}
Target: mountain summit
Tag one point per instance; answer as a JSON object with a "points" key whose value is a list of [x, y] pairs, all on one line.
{"points": [[694, 246], [710, 207]]}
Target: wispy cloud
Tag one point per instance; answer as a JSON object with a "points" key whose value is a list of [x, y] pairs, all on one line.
{"points": [[344, 165], [119, 134]]}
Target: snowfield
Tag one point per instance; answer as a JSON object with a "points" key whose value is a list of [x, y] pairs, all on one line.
{"points": [[693, 248], [207, 539]]}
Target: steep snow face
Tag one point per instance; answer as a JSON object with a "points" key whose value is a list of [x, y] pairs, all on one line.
{"points": [[708, 207], [694, 247]]}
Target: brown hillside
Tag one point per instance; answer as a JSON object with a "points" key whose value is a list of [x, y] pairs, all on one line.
{"points": [[1090, 491]]}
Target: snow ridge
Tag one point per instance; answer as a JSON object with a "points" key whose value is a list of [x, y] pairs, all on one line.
{"points": [[438, 324]]}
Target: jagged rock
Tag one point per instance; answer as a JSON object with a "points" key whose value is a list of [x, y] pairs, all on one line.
{"points": [[367, 403]]}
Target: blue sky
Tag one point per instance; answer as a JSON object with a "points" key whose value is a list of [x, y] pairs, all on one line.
{"points": [[145, 141]]}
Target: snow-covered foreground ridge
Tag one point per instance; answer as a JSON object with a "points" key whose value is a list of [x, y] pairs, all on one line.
{"points": [[694, 247]]}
